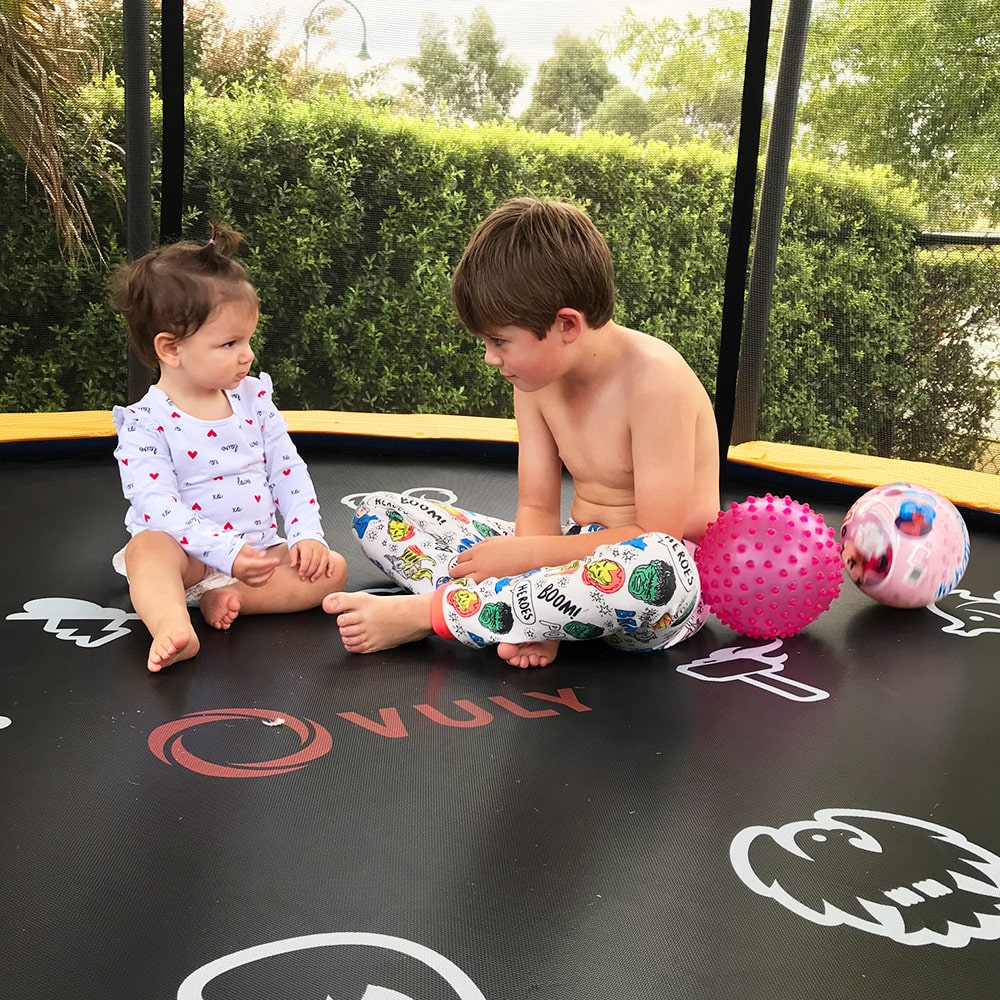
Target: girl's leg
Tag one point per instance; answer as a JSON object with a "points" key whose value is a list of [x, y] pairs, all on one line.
{"points": [[415, 541], [284, 592], [159, 572], [644, 592]]}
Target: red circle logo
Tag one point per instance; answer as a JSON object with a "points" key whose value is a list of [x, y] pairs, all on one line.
{"points": [[166, 743]]}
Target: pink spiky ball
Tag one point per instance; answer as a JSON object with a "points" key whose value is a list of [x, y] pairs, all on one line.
{"points": [[769, 566]]}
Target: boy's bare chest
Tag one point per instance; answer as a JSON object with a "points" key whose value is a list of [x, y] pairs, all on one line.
{"points": [[594, 442]]}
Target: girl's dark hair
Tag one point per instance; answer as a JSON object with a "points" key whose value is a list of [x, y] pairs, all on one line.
{"points": [[175, 288]]}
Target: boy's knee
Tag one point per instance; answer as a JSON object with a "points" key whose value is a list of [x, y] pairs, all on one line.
{"points": [[658, 570]]}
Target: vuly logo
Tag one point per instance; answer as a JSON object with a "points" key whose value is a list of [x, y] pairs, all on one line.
{"points": [[166, 742]]}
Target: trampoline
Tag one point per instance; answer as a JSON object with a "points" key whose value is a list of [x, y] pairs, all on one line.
{"points": [[809, 817]]}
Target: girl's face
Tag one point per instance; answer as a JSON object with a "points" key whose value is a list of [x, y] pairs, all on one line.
{"points": [[218, 354]]}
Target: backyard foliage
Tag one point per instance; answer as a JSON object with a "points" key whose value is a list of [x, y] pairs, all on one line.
{"points": [[355, 218]]}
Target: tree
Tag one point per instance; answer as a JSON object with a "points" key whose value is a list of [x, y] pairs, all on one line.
{"points": [[915, 85], [101, 24], [477, 84], [39, 68], [696, 69], [623, 111], [571, 84], [248, 55]]}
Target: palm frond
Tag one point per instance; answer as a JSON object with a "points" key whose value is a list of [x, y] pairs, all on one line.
{"points": [[36, 73]]}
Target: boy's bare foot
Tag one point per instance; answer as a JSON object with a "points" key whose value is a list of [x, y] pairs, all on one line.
{"points": [[171, 647], [369, 622], [528, 654], [220, 607]]}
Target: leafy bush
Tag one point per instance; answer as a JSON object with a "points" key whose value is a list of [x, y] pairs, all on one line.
{"points": [[355, 219]]}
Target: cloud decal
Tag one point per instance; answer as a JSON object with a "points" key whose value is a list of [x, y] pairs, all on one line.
{"points": [[56, 612]]}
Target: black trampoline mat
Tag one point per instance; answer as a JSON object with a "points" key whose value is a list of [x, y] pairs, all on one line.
{"points": [[279, 819]]}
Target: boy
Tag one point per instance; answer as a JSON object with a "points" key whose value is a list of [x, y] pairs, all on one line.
{"points": [[625, 415]]}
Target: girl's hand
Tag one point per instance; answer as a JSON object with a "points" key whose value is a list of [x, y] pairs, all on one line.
{"points": [[253, 567], [312, 559]]}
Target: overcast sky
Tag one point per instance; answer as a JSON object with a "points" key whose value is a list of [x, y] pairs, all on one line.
{"points": [[527, 27]]}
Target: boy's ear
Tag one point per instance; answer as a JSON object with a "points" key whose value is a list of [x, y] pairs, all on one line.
{"points": [[166, 347], [569, 325]]}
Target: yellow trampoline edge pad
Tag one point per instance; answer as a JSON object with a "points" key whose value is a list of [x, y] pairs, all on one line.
{"points": [[977, 490], [96, 424]]}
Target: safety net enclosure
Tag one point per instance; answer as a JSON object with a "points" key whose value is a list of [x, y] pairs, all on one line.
{"points": [[802, 199], [790, 204]]}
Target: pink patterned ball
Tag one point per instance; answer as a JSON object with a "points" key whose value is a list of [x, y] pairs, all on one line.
{"points": [[904, 545], [769, 566]]}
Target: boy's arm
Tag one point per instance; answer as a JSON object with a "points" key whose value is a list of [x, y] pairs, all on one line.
{"points": [[539, 471], [539, 484], [663, 415]]}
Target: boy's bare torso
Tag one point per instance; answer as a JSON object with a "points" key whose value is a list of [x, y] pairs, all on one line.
{"points": [[647, 396]]}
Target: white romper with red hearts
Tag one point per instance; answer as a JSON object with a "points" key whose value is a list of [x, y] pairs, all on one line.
{"points": [[215, 485]]}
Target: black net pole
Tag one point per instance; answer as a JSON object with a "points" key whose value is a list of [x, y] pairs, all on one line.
{"points": [[138, 195], [741, 221], [172, 92], [772, 208]]}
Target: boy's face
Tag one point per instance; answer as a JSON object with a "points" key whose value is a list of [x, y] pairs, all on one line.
{"points": [[218, 354], [525, 361]]}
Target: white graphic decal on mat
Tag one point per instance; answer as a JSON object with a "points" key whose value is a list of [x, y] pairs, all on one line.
{"points": [[58, 612], [907, 879], [753, 665], [4, 721], [464, 988], [968, 615]]}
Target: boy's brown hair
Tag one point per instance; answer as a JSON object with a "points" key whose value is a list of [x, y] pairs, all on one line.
{"points": [[175, 288], [527, 260]]}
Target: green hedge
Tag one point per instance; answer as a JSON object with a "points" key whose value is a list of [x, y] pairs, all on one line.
{"points": [[355, 220]]}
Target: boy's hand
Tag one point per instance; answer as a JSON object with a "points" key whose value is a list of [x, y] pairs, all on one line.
{"points": [[253, 567], [504, 555], [311, 558]]}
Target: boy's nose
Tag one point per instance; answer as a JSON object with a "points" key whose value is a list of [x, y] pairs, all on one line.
{"points": [[490, 356]]}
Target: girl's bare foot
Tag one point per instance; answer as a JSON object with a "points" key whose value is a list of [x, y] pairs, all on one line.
{"points": [[172, 646], [528, 654], [369, 622], [220, 607]]}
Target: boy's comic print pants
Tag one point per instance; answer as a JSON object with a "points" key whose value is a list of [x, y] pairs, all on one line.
{"points": [[639, 595]]}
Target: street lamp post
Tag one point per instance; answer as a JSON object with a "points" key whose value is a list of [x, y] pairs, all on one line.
{"points": [[308, 26]]}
